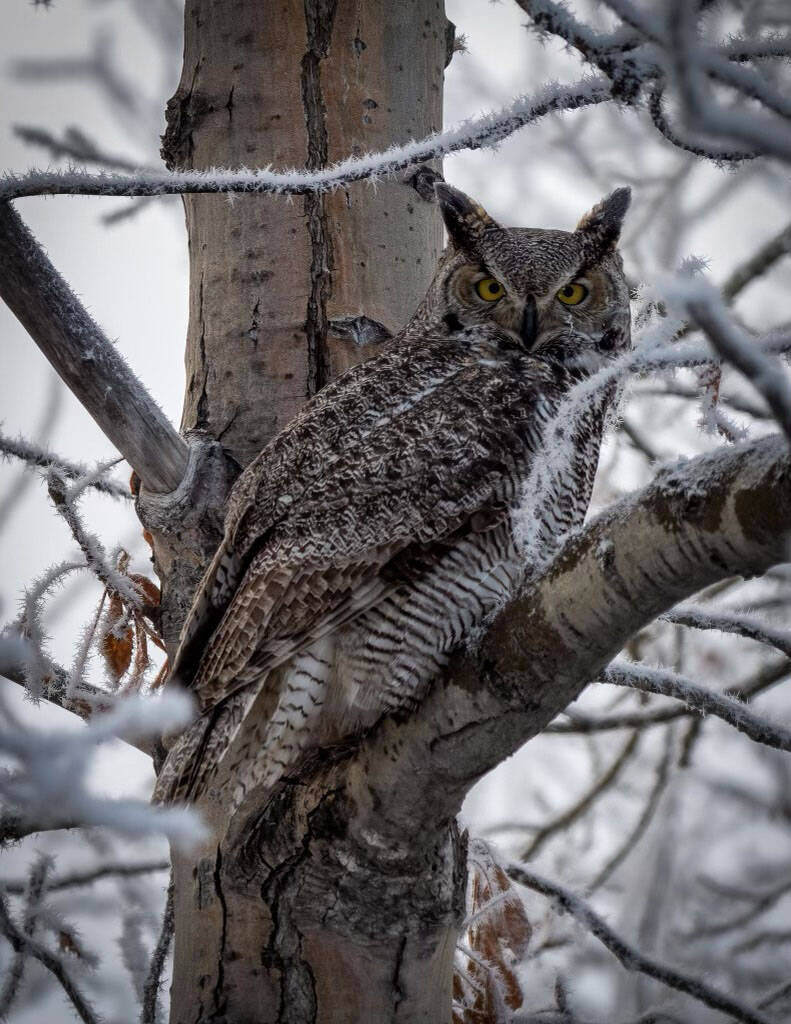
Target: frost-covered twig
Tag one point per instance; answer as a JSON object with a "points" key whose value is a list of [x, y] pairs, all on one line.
{"points": [[763, 901], [22, 943], [689, 62], [133, 950], [153, 983], [696, 617], [630, 956], [37, 667], [767, 676], [488, 130], [65, 501], [781, 992], [735, 402], [85, 359], [729, 342], [699, 699], [34, 455]]}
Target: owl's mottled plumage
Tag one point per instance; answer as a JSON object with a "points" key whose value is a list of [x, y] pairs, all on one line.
{"points": [[375, 532]]}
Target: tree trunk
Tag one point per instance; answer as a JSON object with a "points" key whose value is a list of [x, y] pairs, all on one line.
{"points": [[277, 290]]}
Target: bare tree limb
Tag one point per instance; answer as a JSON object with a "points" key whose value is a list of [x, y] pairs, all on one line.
{"points": [[704, 701], [85, 359], [154, 980], [629, 955], [75, 145], [634, 836], [568, 817], [34, 891], [80, 878], [757, 264], [21, 943]]}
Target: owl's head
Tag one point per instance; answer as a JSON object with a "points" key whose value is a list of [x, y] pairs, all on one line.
{"points": [[561, 295]]}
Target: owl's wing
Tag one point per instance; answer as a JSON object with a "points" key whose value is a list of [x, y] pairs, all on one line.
{"points": [[406, 452]]}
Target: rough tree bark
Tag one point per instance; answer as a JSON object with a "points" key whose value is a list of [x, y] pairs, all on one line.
{"points": [[283, 297]]}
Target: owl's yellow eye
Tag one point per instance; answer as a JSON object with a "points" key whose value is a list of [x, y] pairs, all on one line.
{"points": [[490, 289], [572, 294]]}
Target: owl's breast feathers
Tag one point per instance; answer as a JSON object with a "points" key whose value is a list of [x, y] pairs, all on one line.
{"points": [[428, 438]]}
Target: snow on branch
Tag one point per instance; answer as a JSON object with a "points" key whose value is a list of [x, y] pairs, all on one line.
{"points": [[649, 53], [488, 130], [85, 359], [690, 63], [34, 455], [630, 956], [767, 676], [49, 778], [700, 699], [65, 499], [696, 617], [732, 344]]}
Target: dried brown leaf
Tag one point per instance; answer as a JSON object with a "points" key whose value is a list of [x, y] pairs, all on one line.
{"points": [[116, 650], [498, 937]]}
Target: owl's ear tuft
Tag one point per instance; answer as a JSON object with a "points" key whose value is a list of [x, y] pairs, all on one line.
{"points": [[465, 219], [602, 225]]}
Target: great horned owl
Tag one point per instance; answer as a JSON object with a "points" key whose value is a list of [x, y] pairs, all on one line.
{"points": [[375, 532]]}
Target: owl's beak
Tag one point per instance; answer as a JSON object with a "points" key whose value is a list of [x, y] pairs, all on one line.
{"points": [[529, 331]]}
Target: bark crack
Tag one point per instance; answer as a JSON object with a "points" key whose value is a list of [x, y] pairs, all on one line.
{"points": [[219, 996], [202, 405], [319, 21], [398, 992]]}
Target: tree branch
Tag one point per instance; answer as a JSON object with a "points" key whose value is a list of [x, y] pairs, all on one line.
{"points": [[33, 455], [85, 359], [489, 130], [609, 580], [704, 701], [630, 956], [21, 943]]}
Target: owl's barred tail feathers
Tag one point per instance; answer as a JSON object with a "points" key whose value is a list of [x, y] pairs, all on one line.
{"points": [[195, 756]]}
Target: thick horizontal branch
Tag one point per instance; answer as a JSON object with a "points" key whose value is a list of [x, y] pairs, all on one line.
{"points": [[488, 130], [85, 359], [698, 522]]}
